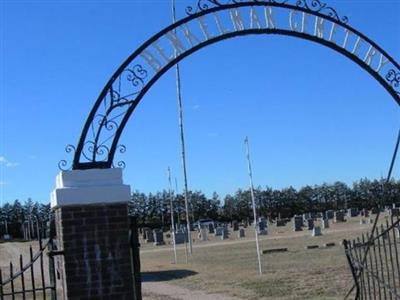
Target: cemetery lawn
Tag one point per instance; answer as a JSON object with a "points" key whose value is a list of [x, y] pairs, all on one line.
{"points": [[229, 268]]}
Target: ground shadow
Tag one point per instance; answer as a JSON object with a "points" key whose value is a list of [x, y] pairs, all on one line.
{"points": [[166, 275]]}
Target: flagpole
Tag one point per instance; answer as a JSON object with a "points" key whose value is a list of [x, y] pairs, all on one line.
{"points": [[184, 241], [246, 141], [178, 90], [172, 214]]}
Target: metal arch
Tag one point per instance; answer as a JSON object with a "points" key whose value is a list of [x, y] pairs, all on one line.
{"points": [[202, 10]]}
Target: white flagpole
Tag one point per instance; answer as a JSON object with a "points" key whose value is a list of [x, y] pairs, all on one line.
{"points": [[178, 90], [184, 241], [172, 214], [246, 141]]}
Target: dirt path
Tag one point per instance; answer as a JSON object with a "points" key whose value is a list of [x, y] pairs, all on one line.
{"points": [[165, 291]]}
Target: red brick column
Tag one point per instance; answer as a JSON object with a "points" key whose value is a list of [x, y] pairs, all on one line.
{"points": [[94, 235]]}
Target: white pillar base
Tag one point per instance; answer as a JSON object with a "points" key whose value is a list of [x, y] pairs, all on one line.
{"points": [[93, 186]]}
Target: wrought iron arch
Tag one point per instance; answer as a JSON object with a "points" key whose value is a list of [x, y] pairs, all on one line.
{"points": [[99, 139]]}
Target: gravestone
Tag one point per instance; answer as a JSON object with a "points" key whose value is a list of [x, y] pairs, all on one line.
{"points": [[394, 212], [218, 231], [297, 223], [180, 237], [363, 221], [149, 236], [306, 216], [310, 224], [211, 228], [235, 225], [146, 232], [316, 231], [241, 233], [329, 214], [158, 237], [261, 229], [225, 233], [280, 223], [374, 210], [352, 212], [203, 234], [365, 213], [339, 216], [325, 223]]}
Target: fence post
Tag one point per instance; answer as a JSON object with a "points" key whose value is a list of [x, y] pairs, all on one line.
{"points": [[52, 271]]}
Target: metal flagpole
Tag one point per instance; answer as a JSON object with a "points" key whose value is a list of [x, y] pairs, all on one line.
{"points": [[184, 241], [246, 141], [178, 208], [178, 90], [172, 214]]}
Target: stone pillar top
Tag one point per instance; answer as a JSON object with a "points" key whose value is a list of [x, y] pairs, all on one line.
{"points": [[93, 186]]}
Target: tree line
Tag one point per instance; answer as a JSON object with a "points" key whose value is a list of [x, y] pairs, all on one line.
{"points": [[13, 216], [153, 209]]}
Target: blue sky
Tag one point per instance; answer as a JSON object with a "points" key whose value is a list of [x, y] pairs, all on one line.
{"points": [[312, 115]]}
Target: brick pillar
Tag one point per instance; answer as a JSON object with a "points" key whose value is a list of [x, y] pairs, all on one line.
{"points": [[93, 231]]}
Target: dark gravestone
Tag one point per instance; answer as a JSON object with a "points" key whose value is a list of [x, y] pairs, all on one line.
{"points": [[235, 225], [180, 237], [297, 223], [158, 237], [339, 216], [262, 228], [329, 214], [149, 236], [374, 210], [352, 212], [365, 212], [280, 223], [211, 228], [310, 224], [324, 223], [241, 233], [394, 212]]}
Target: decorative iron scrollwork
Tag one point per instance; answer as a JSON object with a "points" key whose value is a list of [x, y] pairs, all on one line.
{"points": [[63, 164], [311, 5], [120, 163], [393, 78], [99, 140], [321, 7]]}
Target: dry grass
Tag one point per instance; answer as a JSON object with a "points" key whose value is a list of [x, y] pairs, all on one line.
{"points": [[230, 267]]}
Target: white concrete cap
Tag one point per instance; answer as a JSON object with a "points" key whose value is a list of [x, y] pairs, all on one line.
{"points": [[89, 187]]}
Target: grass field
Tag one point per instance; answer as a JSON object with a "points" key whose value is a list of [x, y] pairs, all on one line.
{"points": [[228, 269]]}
